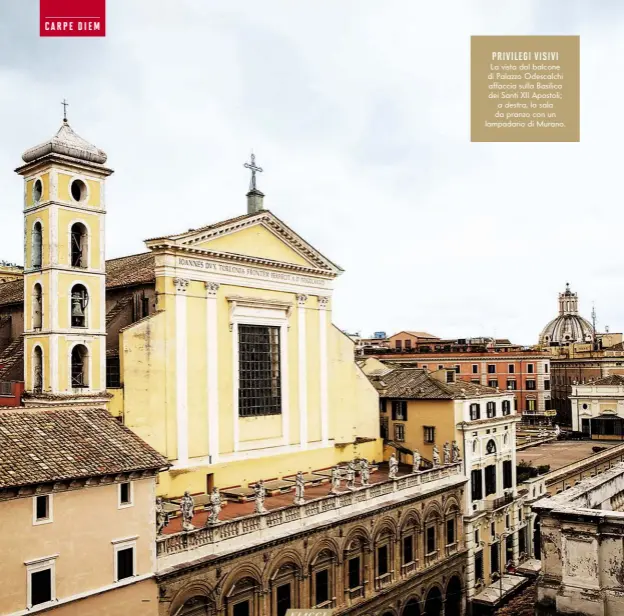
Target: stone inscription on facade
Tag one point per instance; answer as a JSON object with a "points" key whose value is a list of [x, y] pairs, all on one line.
{"points": [[252, 272]]}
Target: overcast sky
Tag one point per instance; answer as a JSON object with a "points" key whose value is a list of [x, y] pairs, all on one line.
{"points": [[358, 110]]}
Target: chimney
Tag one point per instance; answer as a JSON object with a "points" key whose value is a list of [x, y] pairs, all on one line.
{"points": [[254, 201]]}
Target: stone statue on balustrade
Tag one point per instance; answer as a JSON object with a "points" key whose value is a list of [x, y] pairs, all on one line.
{"points": [[417, 457], [456, 457], [162, 519], [299, 489], [351, 475], [260, 492], [336, 478], [436, 456], [215, 507], [393, 467], [187, 504], [364, 473], [446, 450]]}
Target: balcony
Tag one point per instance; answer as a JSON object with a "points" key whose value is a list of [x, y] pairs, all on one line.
{"points": [[245, 530], [498, 503]]}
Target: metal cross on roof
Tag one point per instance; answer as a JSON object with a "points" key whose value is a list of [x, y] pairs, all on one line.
{"points": [[254, 168], [65, 105]]}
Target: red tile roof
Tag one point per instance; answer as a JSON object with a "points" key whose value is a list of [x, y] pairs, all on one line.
{"points": [[45, 445]]}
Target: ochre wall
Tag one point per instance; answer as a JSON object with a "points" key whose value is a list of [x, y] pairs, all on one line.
{"points": [[85, 522]]}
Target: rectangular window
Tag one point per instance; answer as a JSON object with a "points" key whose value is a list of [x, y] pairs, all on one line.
{"points": [[493, 383], [476, 484], [491, 368], [450, 532], [547, 385], [125, 494], [382, 560], [530, 368], [40, 586], [399, 432], [429, 434], [479, 565], [398, 344], [531, 405], [354, 573], [431, 540], [511, 368], [546, 368], [113, 377], [408, 549], [507, 474], [408, 344], [399, 410], [241, 608], [475, 368], [494, 564], [476, 538], [548, 404], [530, 384], [457, 368], [515, 404], [384, 428], [283, 599], [475, 381], [490, 480], [511, 384], [259, 388], [42, 509], [125, 563], [321, 586], [450, 376]]}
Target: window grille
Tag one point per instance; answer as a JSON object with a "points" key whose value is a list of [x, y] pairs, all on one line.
{"points": [[259, 389]]}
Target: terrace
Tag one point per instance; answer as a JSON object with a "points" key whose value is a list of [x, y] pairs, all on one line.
{"points": [[239, 527]]}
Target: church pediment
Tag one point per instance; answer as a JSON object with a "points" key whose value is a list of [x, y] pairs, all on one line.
{"points": [[260, 235]]}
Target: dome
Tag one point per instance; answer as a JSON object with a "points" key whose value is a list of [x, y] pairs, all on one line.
{"points": [[67, 143], [569, 327]]}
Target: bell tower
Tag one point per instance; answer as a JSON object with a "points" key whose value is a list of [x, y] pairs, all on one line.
{"points": [[64, 271]]}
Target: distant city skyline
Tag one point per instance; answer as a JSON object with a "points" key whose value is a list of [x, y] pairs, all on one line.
{"points": [[364, 141]]}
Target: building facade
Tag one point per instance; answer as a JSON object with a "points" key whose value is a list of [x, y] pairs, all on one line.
{"points": [[526, 374], [433, 413], [78, 528], [598, 408]]}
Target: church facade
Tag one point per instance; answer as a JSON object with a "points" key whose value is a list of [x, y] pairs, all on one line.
{"points": [[216, 347]]}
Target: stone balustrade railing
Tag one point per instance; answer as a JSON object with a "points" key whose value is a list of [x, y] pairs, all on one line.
{"points": [[189, 540]]}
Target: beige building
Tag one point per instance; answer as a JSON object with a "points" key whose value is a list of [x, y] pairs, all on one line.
{"points": [[598, 408], [77, 494], [422, 410]]}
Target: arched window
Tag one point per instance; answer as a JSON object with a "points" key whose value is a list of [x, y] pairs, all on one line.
{"points": [[79, 302], [491, 409], [506, 407], [37, 191], [37, 307], [322, 573], [491, 447], [242, 598], [37, 370], [80, 366], [78, 243], [355, 563], [37, 235], [285, 588], [475, 411]]}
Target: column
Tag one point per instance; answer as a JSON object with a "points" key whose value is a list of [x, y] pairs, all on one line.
{"points": [[303, 372], [212, 379], [181, 286], [323, 302], [470, 567]]}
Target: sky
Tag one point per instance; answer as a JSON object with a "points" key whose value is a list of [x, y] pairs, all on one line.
{"points": [[359, 113]]}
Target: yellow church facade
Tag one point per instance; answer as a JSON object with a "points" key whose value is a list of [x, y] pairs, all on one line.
{"points": [[238, 374], [188, 374]]}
